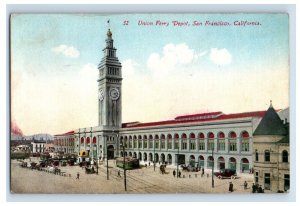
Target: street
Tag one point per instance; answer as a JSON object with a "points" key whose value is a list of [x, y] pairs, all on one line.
{"points": [[143, 181]]}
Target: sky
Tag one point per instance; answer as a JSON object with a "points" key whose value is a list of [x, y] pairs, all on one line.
{"points": [[204, 63]]}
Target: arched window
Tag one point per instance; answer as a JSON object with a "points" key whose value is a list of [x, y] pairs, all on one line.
{"points": [[94, 140], [232, 135], [221, 135], [163, 142], [88, 140], [285, 156], [192, 141], [221, 141], [256, 155], [210, 135], [82, 140], [245, 134], [201, 135], [184, 142], [267, 156]]}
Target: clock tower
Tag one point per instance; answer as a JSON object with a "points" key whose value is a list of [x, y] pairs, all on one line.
{"points": [[109, 86]]}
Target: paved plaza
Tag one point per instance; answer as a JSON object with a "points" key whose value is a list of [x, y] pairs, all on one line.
{"points": [[144, 181]]}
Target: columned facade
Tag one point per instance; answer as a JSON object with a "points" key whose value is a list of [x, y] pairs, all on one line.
{"points": [[230, 141]]}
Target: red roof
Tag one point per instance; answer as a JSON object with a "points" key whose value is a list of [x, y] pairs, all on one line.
{"points": [[197, 118], [208, 115], [67, 133]]}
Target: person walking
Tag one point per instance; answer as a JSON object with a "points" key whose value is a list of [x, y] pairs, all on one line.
{"points": [[179, 174], [174, 173], [245, 185], [253, 188], [77, 175], [230, 187]]}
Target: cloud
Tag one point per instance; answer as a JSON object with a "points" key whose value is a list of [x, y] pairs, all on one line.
{"points": [[172, 56], [220, 56], [68, 51], [128, 68]]}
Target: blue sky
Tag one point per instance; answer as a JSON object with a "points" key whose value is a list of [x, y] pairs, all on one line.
{"points": [[184, 70]]}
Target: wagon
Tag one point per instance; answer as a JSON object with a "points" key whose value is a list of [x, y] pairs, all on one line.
{"points": [[226, 173], [89, 170]]}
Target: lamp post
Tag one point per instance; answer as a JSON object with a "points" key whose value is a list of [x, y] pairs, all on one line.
{"points": [[124, 168], [212, 170], [177, 159], [107, 159], [97, 164], [154, 155]]}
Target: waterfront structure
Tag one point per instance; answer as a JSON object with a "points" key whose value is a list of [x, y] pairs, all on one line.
{"points": [[272, 152], [205, 140]]}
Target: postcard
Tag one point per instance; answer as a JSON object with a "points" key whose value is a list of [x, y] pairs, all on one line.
{"points": [[149, 103]]}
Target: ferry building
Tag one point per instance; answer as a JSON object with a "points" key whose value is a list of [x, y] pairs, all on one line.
{"points": [[207, 139]]}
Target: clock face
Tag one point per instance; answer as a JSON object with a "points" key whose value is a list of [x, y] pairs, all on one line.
{"points": [[114, 93], [101, 94]]}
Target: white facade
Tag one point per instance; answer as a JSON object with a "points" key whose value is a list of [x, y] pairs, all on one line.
{"points": [[38, 146]]}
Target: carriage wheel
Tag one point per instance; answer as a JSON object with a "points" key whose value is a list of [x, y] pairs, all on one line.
{"points": [[232, 177], [220, 177]]}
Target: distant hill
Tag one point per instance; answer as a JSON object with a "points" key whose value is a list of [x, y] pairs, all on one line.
{"points": [[17, 134], [46, 137]]}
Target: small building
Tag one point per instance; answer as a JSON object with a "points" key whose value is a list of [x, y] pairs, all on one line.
{"points": [[38, 146], [22, 148], [271, 152]]}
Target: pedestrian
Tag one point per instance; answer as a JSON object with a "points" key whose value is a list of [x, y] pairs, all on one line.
{"points": [[243, 169], [77, 175], [119, 174], [245, 185], [202, 171], [174, 173], [149, 163], [253, 188], [179, 174], [260, 190], [230, 187]]}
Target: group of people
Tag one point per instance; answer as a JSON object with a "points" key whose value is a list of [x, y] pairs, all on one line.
{"points": [[256, 188], [174, 173]]}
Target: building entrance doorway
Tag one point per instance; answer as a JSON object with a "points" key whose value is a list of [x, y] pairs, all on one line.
{"points": [[180, 159], [110, 152]]}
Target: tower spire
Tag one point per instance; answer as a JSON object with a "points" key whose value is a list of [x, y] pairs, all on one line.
{"points": [[109, 34], [108, 23], [271, 103]]}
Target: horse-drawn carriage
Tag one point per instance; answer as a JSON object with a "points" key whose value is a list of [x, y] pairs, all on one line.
{"points": [[84, 164], [162, 169], [23, 164], [189, 168], [34, 165], [89, 170]]}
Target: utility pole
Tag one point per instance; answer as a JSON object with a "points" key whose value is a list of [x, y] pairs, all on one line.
{"points": [[107, 159], [124, 168], [154, 155], [177, 159], [212, 170]]}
